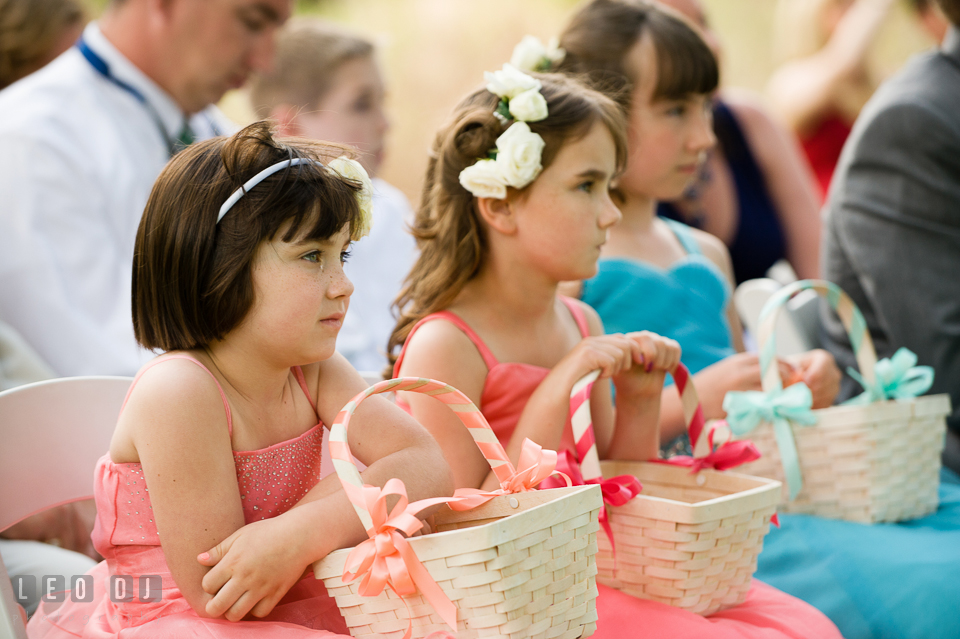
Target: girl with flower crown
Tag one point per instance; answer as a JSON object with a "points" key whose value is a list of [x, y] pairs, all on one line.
{"points": [[215, 460], [516, 200]]}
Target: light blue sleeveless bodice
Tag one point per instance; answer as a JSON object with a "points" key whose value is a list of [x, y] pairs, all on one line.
{"points": [[686, 302]]}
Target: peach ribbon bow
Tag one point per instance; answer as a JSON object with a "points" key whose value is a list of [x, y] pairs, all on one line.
{"points": [[386, 559], [535, 465]]}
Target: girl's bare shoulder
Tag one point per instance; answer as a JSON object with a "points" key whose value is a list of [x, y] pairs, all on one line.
{"points": [[172, 398]]}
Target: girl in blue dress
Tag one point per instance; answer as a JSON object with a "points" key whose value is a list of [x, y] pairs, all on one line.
{"points": [[895, 581]]}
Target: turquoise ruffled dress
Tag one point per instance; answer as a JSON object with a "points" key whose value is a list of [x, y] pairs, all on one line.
{"points": [[880, 581]]}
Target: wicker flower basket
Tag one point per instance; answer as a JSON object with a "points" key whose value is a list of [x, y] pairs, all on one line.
{"points": [[522, 564], [691, 538], [874, 462]]}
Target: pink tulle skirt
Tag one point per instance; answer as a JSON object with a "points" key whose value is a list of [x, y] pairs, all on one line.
{"points": [[305, 611]]}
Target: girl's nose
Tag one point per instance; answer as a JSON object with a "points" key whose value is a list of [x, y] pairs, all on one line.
{"points": [[383, 122], [341, 286], [610, 214], [702, 137]]}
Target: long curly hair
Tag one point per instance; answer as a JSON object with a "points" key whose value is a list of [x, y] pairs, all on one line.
{"points": [[447, 227]]}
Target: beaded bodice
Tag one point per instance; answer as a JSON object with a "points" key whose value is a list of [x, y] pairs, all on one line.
{"points": [[271, 481]]}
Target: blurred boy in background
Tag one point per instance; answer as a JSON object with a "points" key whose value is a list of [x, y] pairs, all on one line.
{"points": [[326, 85]]}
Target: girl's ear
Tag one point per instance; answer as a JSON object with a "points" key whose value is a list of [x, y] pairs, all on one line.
{"points": [[498, 214]]}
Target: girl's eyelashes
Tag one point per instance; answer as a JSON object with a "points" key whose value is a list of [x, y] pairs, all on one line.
{"points": [[316, 257], [678, 109], [253, 22], [345, 255], [587, 186]]}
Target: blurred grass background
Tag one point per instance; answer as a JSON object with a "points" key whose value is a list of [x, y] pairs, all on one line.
{"points": [[433, 52]]}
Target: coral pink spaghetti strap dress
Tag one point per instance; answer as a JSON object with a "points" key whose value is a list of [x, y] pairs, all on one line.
{"points": [[271, 481], [767, 612]]}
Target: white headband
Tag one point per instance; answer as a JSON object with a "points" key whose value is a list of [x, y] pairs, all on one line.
{"points": [[258, 178]]}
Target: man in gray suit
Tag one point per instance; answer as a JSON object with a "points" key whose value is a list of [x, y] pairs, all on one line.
{"points": [[892, 221]]}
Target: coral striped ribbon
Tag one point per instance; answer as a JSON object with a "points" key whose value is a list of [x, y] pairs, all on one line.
{"points": [[618, 490], [459, 403], [714, 450], [582, 421]]}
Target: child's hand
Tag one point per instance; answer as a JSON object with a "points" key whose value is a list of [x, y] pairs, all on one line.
{"points": [[653, 357], [818, 370], [611, 354], [252, 569]]}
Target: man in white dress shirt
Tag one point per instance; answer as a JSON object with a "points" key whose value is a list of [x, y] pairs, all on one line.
{"points": [[81, 142]]}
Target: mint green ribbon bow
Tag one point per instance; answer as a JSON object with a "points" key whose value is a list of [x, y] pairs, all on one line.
{"points": [[898, 377], [748, 409]]}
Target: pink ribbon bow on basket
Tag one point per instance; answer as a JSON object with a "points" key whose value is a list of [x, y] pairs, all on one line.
{"points": [[727, 454], [616, 490], [717, 450], [535, 465], [386, 559]]}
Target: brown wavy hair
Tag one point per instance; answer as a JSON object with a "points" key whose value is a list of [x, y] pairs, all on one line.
{"points": [[448, 227], [599, 37], [192, 277]]}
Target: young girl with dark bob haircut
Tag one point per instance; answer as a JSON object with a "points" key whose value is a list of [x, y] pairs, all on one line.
{"points": [[238, 276]]}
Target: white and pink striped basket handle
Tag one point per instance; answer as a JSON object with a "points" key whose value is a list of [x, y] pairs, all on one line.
{"points": [[468, 413], [582, 421]]}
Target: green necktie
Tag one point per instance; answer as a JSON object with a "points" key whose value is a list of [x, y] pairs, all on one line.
{"points": [[186, 137]]}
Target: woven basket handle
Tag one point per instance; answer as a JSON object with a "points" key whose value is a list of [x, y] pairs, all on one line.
{"points": [[849, 314], [468, 413], [582, 420]]}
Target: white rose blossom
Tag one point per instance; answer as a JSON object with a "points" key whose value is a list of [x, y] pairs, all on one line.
{"points": [[518, 155], [518, 149], [509, 82], [484, 179], [529, 106], [554, 53], [530, 54], [354, 171]]}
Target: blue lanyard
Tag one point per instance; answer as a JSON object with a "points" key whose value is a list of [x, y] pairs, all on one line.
{"points": [[100, 66]]}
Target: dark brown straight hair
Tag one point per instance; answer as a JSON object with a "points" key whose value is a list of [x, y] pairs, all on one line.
{"points": [[447, 225], [192, 276], [602, 33]]}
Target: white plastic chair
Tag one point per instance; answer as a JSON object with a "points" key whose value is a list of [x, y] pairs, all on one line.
{"points": [[797, 329], [51, 435]]}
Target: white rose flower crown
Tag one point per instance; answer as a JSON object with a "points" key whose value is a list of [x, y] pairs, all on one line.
{"points": [[515, 161]]}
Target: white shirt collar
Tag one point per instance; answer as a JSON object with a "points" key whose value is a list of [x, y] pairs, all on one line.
{"points": [[121, 68]]}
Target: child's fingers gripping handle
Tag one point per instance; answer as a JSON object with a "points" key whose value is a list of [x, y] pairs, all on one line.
{"points": [[850, 316], [582, 420], [468, 413]]}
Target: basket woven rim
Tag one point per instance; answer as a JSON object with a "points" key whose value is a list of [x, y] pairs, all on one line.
{"points": [[764, 494], [886, 410], [582, 499]]}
